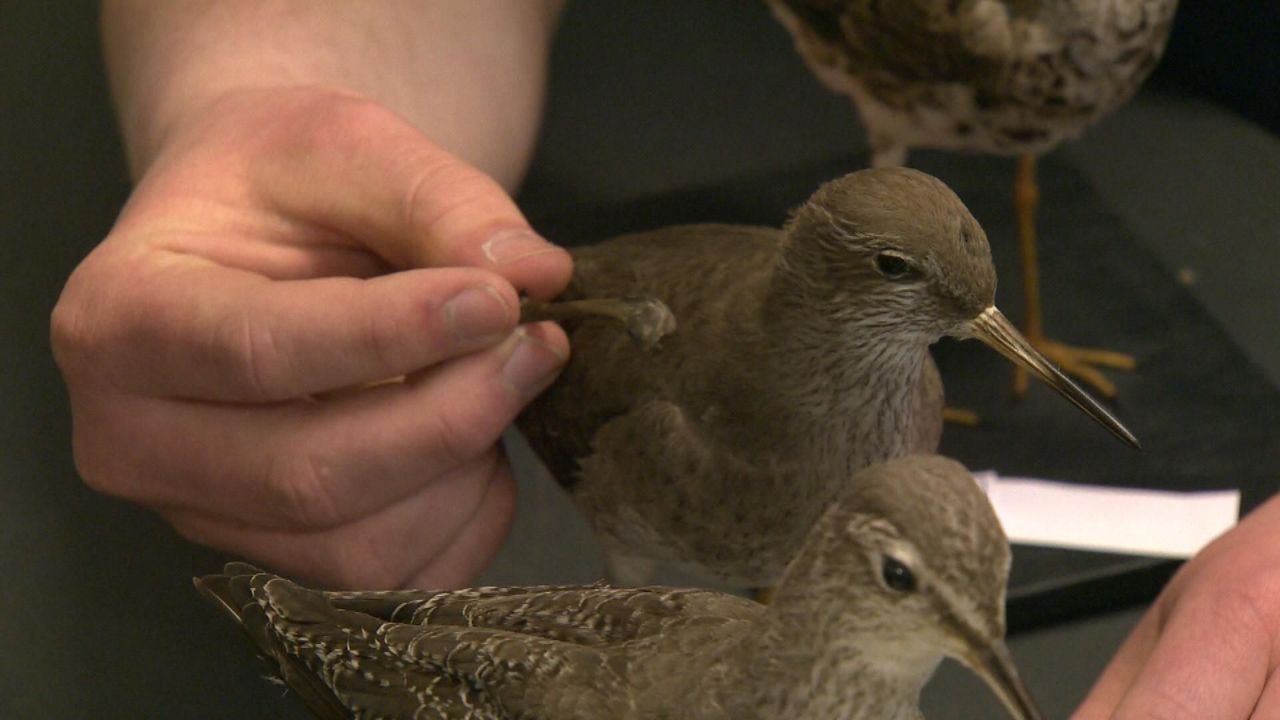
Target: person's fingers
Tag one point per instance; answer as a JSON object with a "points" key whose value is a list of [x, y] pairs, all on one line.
{"points": [[470, 551], [1120, 672], [458, 522], [189, 329], [182, 283], [1205, 663], [314, 465], [1209, 646], [358, 169], [1268, 707]]}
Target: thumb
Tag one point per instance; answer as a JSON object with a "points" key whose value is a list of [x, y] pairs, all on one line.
{"points": [[371, 175]]}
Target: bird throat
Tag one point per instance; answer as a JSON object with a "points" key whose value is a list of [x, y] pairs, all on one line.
{"points": [[792, 660], [853, 387]]}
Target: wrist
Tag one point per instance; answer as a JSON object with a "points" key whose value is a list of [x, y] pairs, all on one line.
{"points": [[240, 121]]}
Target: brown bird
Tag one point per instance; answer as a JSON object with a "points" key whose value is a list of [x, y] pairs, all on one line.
{"points": [[909, 566], [799, 357], [1010, 77]]}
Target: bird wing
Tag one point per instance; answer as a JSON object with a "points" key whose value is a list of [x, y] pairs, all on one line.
{"points": [[566, 654], [473, 655], [237, 592], [595, 615], [608, 374]]}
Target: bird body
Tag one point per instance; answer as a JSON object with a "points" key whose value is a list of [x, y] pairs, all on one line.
{"points": [[734, 407], [992, 76], [909, 566], [799, 356]]}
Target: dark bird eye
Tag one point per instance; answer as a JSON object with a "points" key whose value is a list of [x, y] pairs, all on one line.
{"points": [[892, 266], [897, 575]]}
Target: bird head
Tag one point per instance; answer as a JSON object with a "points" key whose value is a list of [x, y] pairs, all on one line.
{"points": [[892, 247], [920, 563], [894, 251]]}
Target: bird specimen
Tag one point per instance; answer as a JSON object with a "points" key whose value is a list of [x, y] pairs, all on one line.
{"points": [[909, 566], [798, 357], [1012, 77]]}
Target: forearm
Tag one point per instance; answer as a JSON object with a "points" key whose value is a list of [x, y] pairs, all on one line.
{"points": [[470, 75]]}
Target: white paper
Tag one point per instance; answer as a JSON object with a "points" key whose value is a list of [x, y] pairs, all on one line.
{"points": [[1106, 519]]}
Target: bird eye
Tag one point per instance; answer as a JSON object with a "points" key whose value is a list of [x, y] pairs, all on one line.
{"points": [[897, 575], [892, 265]]}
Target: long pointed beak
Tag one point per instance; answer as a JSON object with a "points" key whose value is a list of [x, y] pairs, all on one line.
{"points": [[994, 329], [995, 666]]}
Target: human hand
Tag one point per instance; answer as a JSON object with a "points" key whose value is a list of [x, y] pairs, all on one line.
{"points": [[1209, 647], [226, 347]]}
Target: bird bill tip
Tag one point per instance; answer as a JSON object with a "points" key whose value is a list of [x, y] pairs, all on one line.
{"points": [[993, 329]]}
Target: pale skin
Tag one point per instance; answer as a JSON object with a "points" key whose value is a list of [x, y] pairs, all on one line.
{"points": [[319, 185], [322, 204], [1209, 647]]}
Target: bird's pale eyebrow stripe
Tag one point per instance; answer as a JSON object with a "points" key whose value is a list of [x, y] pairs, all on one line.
{"points": [[847, 232]]}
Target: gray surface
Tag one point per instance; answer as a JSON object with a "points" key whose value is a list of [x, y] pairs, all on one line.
{"points": [[1199, 187], [97, 618]]}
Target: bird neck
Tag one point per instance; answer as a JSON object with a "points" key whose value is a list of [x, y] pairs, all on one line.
{"points": [[844, 365], [839, 339], [794, 376], [804, 663]]}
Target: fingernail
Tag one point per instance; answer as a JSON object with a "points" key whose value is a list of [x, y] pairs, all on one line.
{"points": [[532, 365], [508, 246], [478, 314]]}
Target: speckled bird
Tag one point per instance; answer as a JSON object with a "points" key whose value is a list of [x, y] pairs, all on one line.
{"points": [[910, 566], [797, 357], [1009, 77]]}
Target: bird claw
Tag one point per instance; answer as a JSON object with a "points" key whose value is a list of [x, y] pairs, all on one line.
{"points": [[961, 416], [646, 319]]}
